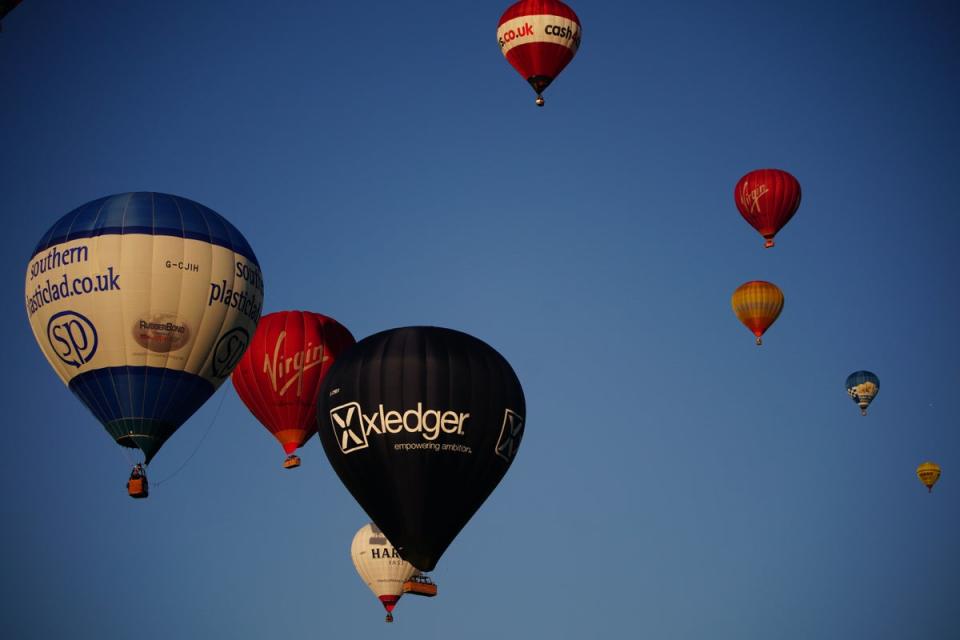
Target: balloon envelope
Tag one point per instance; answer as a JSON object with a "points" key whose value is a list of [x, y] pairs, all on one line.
{"points": [[379, 565], [767, 199], [929, 473], [421, 423], [279, 376], [863, 387], [757, 305], [539, 38], [143, 303], [6, 6]]}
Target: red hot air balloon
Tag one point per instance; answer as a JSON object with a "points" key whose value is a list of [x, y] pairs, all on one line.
{"points": [[539, 38], [279, 376], [767, 199]]}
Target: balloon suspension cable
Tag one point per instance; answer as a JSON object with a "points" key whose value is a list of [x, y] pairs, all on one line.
{"points": [[223, 396], [132, 458], [135, 458]]}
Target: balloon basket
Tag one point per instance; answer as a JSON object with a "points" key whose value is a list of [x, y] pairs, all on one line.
{"points": [[291, 462], [137, 487], [420, 586]]}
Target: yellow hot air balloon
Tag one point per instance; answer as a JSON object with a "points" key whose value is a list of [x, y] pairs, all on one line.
{"points": [[929, 473], [757, 304]]}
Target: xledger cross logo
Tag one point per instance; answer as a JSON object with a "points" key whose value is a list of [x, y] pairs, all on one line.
{"points": [[348, 427], [510, 435], [353, 428]]}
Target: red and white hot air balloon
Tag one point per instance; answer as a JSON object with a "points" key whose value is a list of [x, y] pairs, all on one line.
{"points": [[279, 376], [767, 199], [380, 566], [539, 38]]}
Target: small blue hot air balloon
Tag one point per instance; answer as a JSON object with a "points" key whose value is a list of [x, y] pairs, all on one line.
{"points": [[862, 387]]}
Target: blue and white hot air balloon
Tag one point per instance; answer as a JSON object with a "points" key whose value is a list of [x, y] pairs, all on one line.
{"points": [[862, 387], [143, 303]]}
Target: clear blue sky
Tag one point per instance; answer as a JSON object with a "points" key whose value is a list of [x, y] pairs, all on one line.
{"points": [[390, 168]]}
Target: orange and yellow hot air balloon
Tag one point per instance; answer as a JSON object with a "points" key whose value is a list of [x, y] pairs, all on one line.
{"points": [[757, 305], [929, 473]]}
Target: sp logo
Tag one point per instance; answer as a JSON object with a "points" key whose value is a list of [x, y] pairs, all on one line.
{"points": [[347, 423], [72, 337], [229, 350], [510, 435]]}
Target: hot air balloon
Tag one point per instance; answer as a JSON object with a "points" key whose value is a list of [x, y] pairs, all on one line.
{"points": [[862, 387], [929, 473], [767, 199], [539, 38], [421, 424], [6, 6], [143, 303], [380, 566], [757, 305], [279, 376]]}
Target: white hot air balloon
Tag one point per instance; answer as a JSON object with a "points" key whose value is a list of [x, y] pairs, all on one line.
{"points": [[380, 566]]}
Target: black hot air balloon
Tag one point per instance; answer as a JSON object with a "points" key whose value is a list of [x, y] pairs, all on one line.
{"points": [[6, 6], [421, 423]]}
